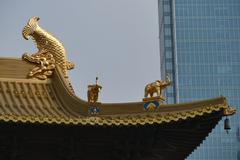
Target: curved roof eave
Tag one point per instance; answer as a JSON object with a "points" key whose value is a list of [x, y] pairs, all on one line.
{"points": [[52, 101]]}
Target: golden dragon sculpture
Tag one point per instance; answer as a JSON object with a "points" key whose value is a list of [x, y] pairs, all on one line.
{"points": [[50, 51]]}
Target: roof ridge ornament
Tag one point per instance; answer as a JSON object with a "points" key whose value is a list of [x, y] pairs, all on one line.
{"points": [[51, 52], [93, 92], [156, 87]]}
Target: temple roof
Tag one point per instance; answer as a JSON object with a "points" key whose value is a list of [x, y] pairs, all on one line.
{"points": [[36, 90], [53, 101]]}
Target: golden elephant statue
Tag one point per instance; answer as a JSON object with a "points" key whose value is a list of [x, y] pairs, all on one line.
{"points": [[156, 87]]}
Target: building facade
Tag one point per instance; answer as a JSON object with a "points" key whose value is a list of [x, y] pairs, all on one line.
{"points": [[199, 49]]}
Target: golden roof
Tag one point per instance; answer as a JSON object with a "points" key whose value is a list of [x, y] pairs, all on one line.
{"points": [[52, 101], [36, 88]]}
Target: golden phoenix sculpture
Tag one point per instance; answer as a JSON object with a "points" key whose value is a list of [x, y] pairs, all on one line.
{"points": [[50, 51]]}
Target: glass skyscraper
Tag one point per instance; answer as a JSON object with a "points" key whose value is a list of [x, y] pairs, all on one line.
{"points": [[200, 50]]}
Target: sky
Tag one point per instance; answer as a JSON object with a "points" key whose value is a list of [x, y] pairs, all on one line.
{"points": [[115, 40]]}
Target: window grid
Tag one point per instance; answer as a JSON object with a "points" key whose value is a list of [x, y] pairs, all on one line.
{"points": [[208, 46]]}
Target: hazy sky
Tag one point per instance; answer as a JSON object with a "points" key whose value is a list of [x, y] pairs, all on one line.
{"points": [[116, 40]]}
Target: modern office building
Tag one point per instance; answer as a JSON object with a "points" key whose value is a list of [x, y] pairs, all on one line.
{"points": [[200, 50]]}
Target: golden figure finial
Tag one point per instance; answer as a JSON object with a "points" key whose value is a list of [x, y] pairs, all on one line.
{"points": [[50, 51], [93, 91], [156, 87]]}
